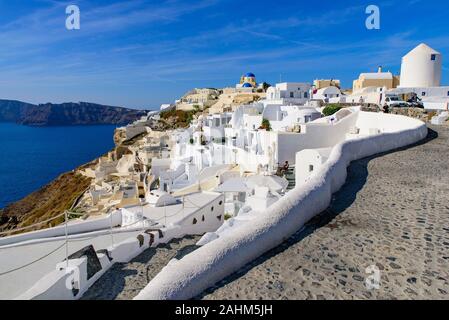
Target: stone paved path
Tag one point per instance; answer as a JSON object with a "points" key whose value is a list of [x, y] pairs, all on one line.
{"points": [[393, 212]]}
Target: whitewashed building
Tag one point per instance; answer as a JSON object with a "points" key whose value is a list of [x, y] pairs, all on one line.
{"points": [[421, 67], [308, 162], [289, 93], [328, 95], [421, 71], [286, 118]]}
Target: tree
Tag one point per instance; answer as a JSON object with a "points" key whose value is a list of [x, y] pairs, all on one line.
{"points": [[266, 124], [331, 109]]}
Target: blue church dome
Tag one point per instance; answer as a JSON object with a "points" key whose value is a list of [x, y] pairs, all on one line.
{"points": [[247, 85], [250, 75]]}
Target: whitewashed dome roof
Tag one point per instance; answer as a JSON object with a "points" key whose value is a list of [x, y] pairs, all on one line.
{"points": [[329, 90]]}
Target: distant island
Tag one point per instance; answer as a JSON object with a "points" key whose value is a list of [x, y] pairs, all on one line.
{"points": [[66, 114]]}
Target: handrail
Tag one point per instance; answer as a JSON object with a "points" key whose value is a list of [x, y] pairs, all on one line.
{"points": [[33, 262], [155, 221]]}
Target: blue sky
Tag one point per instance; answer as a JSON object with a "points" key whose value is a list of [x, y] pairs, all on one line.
{"points": [[143, 53]]}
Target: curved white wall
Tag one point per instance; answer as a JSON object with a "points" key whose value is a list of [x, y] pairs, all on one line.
{"points": [[209, 264]]}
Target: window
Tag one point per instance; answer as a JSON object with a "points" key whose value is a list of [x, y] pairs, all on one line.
{"points": [[310, 168], [448, 93], [433, 57], [306, 95], [291, 94], [212, 209], [423, 93]]}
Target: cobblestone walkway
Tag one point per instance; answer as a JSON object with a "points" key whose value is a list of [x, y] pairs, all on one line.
{"points": [[393, 212]]}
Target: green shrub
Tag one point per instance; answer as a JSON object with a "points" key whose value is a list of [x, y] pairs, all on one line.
{"points": [[227, 216], [331, 109], [181, 117], [266, 124]]}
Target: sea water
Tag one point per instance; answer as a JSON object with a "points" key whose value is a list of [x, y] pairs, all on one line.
{"points": [[31, 157]]}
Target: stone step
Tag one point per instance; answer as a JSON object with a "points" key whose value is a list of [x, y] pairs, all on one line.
{"points": [[123, 281]]}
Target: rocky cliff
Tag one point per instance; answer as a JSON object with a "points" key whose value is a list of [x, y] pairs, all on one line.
{"points": [[82, 113], [46, 203]]}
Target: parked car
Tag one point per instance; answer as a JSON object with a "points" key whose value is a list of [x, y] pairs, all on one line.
{"points": [[394, 101]]}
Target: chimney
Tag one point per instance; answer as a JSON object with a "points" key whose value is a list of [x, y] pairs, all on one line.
{"points": [[379, 70]]}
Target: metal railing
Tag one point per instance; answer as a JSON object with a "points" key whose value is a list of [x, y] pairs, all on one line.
{"points": [[67, 240]]}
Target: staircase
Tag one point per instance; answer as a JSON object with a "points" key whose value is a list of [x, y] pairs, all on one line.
{"points": [[123, 281], [290, 176]]}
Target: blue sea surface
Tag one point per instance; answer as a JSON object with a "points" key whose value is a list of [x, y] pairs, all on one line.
{"points": [[31, 157]]}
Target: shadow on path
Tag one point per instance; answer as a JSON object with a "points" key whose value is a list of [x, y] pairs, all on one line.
{"points": [[341, 200]]}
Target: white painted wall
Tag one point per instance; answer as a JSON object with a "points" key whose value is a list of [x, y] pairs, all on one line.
{"points": [[221, 257], [309, 162], [56, 285], [443, 104], [75, 227], [313, 135]]}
